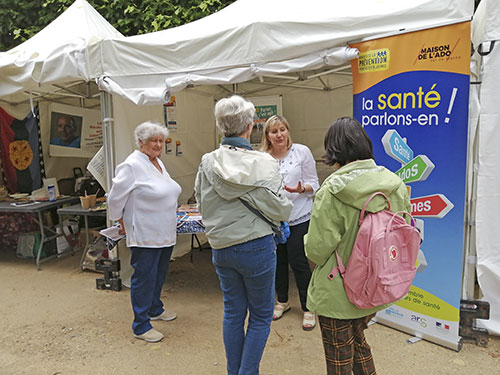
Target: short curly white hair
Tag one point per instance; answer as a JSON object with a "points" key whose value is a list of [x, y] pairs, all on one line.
{"points": [[147, 130], [232, 115]]}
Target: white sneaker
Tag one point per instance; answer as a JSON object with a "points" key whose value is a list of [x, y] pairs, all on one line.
{"points": [[150, 336], [165, 315], [279, 309]]}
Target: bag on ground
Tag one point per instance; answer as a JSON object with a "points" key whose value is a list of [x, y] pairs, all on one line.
{"points": [[382, 265]]}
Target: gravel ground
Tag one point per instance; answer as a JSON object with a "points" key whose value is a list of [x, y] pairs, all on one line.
{"points": [[54, 321]]}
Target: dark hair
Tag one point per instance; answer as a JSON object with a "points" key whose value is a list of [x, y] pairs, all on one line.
{"points": [[347, 141]]}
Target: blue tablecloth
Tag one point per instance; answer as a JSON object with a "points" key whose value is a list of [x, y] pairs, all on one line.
{"points": [[189, 219]]}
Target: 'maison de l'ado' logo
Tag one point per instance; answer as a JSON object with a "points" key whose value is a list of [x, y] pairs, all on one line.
{"points": [[434, 52], [374, 60]]}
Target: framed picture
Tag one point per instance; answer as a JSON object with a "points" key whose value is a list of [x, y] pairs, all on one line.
{"points": [[65, 130], [74, 131]]}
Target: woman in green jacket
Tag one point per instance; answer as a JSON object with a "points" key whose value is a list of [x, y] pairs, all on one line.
{"points": [[334, 226]]}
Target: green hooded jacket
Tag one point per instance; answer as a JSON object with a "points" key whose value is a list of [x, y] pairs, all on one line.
{"points": [[334, 225]]}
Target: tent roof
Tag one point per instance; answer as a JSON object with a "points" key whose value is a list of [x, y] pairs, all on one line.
{"points": [[55, 55], [252, 38]]}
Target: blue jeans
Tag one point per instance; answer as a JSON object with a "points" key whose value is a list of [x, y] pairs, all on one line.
{"points": [[150, 271], [246, 272]]}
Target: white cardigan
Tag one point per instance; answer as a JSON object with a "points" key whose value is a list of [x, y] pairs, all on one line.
{"points": [[146, 199]]}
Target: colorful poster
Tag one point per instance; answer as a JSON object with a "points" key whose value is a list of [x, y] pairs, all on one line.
{"points": [[170, 114], [265, 107], [411, 93]]}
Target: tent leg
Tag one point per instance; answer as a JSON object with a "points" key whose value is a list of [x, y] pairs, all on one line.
{"points": [[109, 163], [107, 136], [470, 259]]}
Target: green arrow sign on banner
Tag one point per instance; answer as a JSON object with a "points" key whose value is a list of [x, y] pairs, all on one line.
{"points": [[418, 169]]}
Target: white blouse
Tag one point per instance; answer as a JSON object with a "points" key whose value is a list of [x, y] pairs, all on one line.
{"points": [[299, 165], [146, 199]]}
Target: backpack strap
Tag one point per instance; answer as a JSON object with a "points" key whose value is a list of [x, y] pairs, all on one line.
{"points": [[412, 222], [339, 269], [404, 255], [362, 213]]}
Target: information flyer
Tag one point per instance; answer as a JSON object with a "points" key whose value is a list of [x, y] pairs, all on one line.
{"points": [[411, 94]]}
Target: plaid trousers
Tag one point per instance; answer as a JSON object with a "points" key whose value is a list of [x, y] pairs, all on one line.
{"points": [[346, 349]]}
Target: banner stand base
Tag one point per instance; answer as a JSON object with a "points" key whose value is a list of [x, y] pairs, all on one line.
{"points": [[470, 310], [451, 343], [414, 340]]}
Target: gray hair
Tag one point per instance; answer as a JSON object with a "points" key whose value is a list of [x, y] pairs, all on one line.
{"points": [[232, 115], [147, 130]]}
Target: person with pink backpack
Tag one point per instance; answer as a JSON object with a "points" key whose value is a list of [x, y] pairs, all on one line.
{"points": [[332, 234]]}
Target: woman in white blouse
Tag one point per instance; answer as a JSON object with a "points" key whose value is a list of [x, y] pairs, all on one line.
{"points": [[298, 168], [143, 199]]}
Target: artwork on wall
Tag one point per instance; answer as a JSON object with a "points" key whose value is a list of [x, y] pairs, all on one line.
{"points": [[74, 131]]}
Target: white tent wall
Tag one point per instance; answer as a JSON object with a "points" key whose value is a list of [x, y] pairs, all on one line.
{"points": [[195, 131], [310, 111], [485, 134]]}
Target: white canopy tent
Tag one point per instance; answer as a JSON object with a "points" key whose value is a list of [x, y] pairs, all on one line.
{"points": [[484, 154], [255, 38], [248, 39], [255, 41], [55, 57], [52, 67]]}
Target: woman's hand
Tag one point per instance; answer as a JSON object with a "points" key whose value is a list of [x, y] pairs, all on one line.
{"points": [[299, 189], [122, 227]]}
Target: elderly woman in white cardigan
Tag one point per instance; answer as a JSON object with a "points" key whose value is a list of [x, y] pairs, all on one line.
{"points": [[143, 198]]}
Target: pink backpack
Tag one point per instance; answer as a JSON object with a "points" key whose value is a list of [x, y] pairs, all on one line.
{"points": [[383, 259]]}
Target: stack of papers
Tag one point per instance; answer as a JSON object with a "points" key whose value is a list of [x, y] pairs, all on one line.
{"points": [[112, 233], [22, 204]]}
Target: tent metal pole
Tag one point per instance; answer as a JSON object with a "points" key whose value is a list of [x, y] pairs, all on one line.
{"points": [[107, 136], [470, 255], [109, 168], [279, 76], [68, 92], [325, 86], [335, 70], [225, 89]]}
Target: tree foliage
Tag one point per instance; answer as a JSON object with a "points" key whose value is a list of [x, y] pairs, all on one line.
{"points": [[21, 19]]}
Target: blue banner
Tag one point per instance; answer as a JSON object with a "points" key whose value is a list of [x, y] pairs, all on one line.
{"points": [[411, 94]]}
